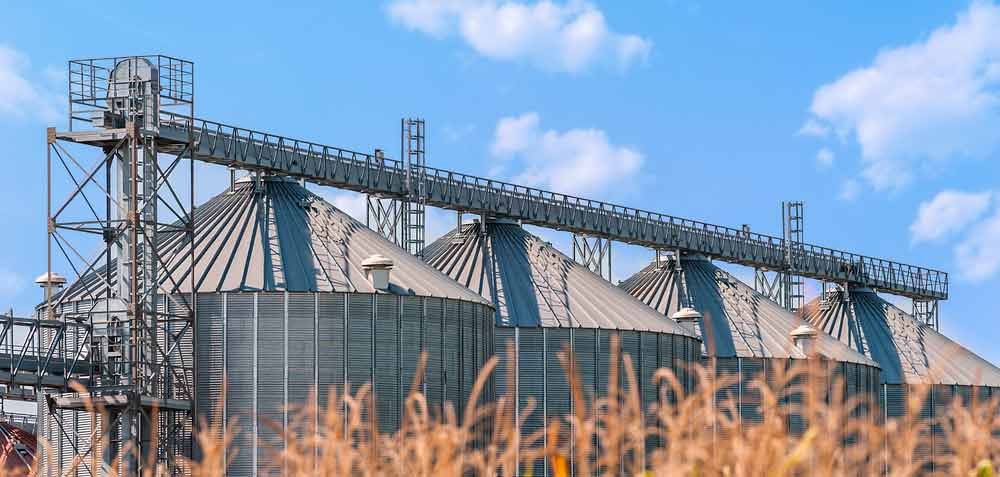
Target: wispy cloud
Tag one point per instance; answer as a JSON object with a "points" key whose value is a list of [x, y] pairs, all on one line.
{"points": [[24, 94], [567, 37], [576, 161], [920, 104], [947, 213], [978, 255], [825, 157], [961, 215], [849, 190]]}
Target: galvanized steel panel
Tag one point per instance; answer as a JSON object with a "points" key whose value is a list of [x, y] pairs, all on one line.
{"points": [[533, 284], [558, 401], [360, 341], [240, 348], [276, 348], [270, 380], [737, 321], [386, 364], [435, 347], [331, 346], [909, 352]]}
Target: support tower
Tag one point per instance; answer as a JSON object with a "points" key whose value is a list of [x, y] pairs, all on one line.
{"points": [[593, 253], [117, 185], [402, 220], [783, 287]]}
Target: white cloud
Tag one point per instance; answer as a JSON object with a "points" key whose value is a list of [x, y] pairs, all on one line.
{"points": [[515, 134], [813, 127], [978, 255], [575, 162], [849, 190], [948, 212], [920, 104], [20, 96], [825, 157], [558, 37], [351, 203]]}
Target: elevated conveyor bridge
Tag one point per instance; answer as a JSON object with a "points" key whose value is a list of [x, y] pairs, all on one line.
{"points": [[342, 168]]}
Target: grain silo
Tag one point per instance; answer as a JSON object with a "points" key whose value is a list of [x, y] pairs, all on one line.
{"points": [[294, 295], [545, 302], [914, 357], [745, 334]]}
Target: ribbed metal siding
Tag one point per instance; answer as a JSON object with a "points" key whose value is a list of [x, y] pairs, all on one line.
{"points": [[541, 378], [386, 362], [270, 380], [300, 349], [331, 345], [855, 380], [434, 377], [240, 397], [411, 335], [894, 406], [211, 338], [558, 401], [276, 347]]}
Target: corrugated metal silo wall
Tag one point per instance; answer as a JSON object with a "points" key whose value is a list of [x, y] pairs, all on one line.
{"points": [[936, 400], [746, 398], [274, 348], [539, 375]]}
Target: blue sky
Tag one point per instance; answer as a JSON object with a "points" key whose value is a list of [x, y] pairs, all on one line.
{"points": [[883, 120]]}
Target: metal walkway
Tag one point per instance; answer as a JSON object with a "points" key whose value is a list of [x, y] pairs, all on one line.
{"points": [[36, 354], [332, 166]]}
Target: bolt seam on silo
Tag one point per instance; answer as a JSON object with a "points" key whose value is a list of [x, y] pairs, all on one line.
{"points": [[284, 411], [255, 387]]}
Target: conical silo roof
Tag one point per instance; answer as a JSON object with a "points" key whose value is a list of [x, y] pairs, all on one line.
{"points": [[909, 352], [533, 284], [275, 235], [736, 320]]}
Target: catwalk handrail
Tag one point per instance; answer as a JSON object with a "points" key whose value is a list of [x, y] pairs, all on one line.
{"points": [[342, 168]]}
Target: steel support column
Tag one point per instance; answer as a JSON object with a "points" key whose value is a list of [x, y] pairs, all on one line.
{"points": [[926, 312], [402, 220], [593, 253]]}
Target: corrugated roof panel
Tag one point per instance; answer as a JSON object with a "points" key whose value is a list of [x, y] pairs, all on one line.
{"points": [[908, 351], [278, 236], [533, 284], [736, 320]]}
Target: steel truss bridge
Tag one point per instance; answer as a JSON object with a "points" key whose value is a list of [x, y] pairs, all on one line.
{"points": [[241, 148], [133, 352]]}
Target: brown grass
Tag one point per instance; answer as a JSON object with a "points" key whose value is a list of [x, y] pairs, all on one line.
{"points": [[699, 434]]}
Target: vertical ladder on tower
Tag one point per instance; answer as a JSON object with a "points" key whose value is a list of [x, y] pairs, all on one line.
{"points": [[794, 235], [786, 289], [402, 220], [412, 152]]}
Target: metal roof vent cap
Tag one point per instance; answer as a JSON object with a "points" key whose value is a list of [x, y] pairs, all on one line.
{"points": [[377, 268], [50, 283], [50, 279], [687, 317], [804, 338]]}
